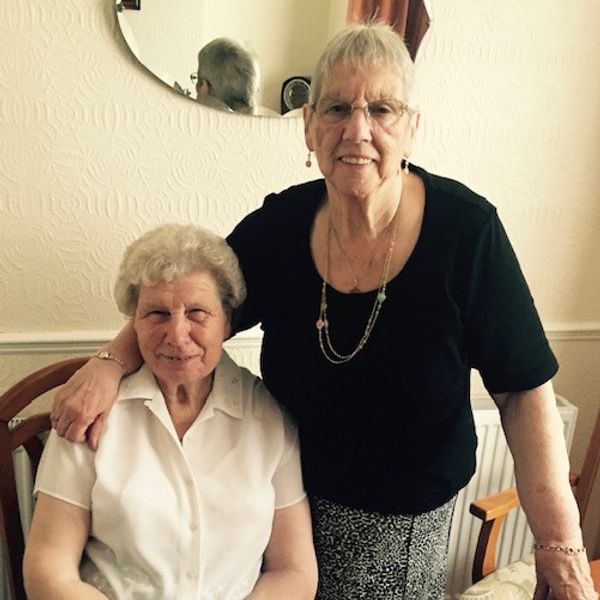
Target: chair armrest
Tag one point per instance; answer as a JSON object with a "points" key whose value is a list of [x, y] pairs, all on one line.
{"points": [[492, 510], [495, 505]]}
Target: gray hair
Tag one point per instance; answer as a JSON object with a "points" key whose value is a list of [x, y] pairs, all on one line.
{"points": [[231, 71], [364, 45], [171, 251]]}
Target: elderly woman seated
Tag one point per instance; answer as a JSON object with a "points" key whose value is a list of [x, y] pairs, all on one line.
{"points": [[195, 490]]}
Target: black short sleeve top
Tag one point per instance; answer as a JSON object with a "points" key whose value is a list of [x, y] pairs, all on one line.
{"points": [[392, 430]]}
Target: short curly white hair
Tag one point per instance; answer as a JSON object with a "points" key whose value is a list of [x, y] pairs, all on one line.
{"points": [[171, 251]]}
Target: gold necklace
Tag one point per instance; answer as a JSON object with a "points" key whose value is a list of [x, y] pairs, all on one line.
{"points": [[322, 324], [356, 288]]}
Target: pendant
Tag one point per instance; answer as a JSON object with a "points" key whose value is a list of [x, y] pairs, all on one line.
{"points": [[320, 324]]}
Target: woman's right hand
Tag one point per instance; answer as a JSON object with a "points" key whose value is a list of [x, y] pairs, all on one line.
{"points": [[82, 404]]}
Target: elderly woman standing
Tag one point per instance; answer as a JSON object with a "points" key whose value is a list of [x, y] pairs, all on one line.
{"points": [[197, 477], [378, 289]]}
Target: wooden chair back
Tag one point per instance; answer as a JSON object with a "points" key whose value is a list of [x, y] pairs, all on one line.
{"points": [[585, 481], [25, 434]]}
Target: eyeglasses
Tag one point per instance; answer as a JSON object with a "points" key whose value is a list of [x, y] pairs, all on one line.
{"points": [[384, 113], [194, 77]]}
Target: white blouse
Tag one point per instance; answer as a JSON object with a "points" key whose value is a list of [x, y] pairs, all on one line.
{"points": [[178, 519]]}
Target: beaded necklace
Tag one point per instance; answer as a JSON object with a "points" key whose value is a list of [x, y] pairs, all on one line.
{"points": [[322, 324]]}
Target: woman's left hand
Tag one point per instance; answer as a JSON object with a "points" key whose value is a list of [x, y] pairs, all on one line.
{"points": [[563, 576]]}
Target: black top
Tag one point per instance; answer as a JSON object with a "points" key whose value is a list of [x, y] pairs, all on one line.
{"points": [[392, 430]]}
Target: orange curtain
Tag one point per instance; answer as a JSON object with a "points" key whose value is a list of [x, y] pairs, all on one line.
{"points": [[408, 17]]}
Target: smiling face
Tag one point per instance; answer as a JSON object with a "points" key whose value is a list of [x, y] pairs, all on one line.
{"points": [[181, 326], [357, 156]]}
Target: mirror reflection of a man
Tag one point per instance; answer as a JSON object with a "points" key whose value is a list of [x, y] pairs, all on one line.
{"points": [[228, 74]]}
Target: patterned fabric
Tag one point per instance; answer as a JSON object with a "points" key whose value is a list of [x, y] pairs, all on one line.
{"points": [[513, 582], [377, 556]]}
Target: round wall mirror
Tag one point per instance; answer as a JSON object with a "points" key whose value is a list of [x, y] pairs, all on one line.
{"points": [[284, 36]]}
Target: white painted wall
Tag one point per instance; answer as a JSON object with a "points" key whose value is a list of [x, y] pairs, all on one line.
{"points": [[93, 152]]}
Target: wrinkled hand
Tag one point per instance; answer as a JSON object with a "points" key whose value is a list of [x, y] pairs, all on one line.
{"points": [[82, 404], [563, 577]]}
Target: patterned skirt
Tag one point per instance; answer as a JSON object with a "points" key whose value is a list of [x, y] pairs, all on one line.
{"points": [[380, 557]]}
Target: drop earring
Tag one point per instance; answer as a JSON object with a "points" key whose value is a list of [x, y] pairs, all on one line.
{"points": [[404, 165], [308, 162]]}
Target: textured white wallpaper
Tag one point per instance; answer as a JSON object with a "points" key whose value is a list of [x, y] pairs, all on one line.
{"points": [[511, 99], [93, 151]]}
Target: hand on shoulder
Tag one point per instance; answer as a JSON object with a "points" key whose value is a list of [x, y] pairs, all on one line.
{"points": [[83, 402]]}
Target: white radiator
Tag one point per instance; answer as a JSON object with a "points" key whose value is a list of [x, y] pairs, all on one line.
{"points": [[494, 473]]}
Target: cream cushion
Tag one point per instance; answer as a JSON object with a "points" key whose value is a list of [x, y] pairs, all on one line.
{"points": [[513, 582]]}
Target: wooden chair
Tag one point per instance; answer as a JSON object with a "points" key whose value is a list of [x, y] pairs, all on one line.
{"points": [[493, 509], [26, 434]]}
